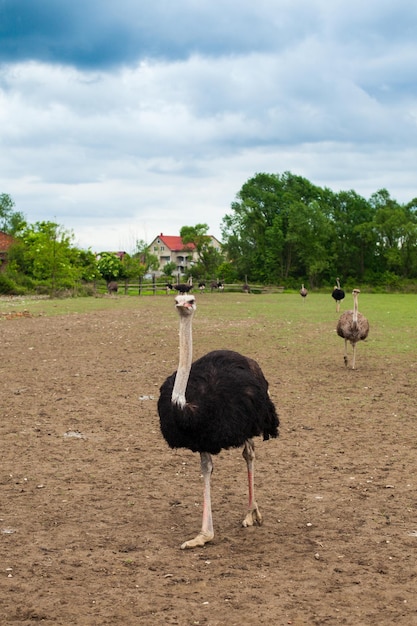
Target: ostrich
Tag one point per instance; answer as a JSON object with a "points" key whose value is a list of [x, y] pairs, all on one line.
{"points": [[217, 284], [202, 286], [218, 402], [246, 288], [338, 294], [303, 292], [352, 326], [112, 287], [184, 287]]}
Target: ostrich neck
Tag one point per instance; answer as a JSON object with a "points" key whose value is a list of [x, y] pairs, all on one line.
{"points": [[355, 309], [185, 360]]}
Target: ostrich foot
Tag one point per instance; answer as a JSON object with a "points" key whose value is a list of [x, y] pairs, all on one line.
{"points": [[253, 517], [200, 540]]}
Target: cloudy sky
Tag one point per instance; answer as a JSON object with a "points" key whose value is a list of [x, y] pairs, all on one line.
{"points": [[121, 120]]}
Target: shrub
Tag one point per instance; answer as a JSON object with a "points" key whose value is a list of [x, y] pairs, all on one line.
{"points": [[9, 287]]}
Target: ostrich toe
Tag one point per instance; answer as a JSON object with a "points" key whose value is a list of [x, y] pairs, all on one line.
{"points": [[253, 517], [200, 540]]}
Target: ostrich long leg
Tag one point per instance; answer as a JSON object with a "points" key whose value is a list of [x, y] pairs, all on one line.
{"points": [[253, 515], [346, 353], [206, 534], [354, 354]]}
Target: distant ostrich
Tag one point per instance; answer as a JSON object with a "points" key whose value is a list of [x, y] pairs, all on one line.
{"points": [[184, 287], [352, 326], [112, 287], [338, 294], [168, 287], [246, 288], [303, 292], [218, 402], [217, 284], [202, 286]]}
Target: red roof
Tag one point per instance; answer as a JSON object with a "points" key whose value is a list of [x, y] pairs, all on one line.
{"points": [[175, 243], [6, 241]]}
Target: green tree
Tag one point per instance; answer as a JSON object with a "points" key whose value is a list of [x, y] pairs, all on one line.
{"points": [[277, 229], [196, 235], [208, 257], [149, 261], [87, 262], [169, 269], [133, 268], [308, 235], [396, 228], [353, 240], [252, 233], [43, 253], [11, 222], [110, 266]]}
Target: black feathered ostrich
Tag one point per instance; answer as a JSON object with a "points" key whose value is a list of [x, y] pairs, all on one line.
{"points": [[352, 326], [184, 287], [338, 294], [220, 401]]}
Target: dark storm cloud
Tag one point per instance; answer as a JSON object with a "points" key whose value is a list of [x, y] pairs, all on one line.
{"points": [[101, 33]]}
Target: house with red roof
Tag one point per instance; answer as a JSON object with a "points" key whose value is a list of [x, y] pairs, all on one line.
{"points": [[171, 249], [5, 242]]}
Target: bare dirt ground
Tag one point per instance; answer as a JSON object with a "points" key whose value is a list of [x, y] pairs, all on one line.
{"points": [[94, 506]]}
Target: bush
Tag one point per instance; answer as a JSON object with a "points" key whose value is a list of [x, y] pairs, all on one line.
{"points": [[8, 287]]}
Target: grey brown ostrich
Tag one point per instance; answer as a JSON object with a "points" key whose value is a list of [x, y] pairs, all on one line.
{"points": [[218, 402], [303, 292], [338, 294], [112, 287], [216, 284], [352, 326]]}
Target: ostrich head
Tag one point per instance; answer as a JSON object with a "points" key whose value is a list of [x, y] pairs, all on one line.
{"points": [[185, 305], [355, 292]]}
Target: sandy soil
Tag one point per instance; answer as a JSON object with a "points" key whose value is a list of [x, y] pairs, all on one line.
{"points": [[94, 506]]}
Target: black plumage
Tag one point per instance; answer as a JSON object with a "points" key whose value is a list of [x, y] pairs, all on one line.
{"points": [[220, 401], [338, 294], [182, 287], [227, 403]]}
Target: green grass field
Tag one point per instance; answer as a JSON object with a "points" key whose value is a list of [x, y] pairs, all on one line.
{"points": [[392, 317]]}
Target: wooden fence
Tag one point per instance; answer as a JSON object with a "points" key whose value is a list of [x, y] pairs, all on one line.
{"points": [[146, 287]]}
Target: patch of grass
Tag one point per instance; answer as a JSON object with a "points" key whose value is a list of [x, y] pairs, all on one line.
{"points": [[286, 318]]}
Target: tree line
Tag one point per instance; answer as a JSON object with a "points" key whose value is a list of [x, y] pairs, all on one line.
{"points": [[281, 229], [44, 259]]}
